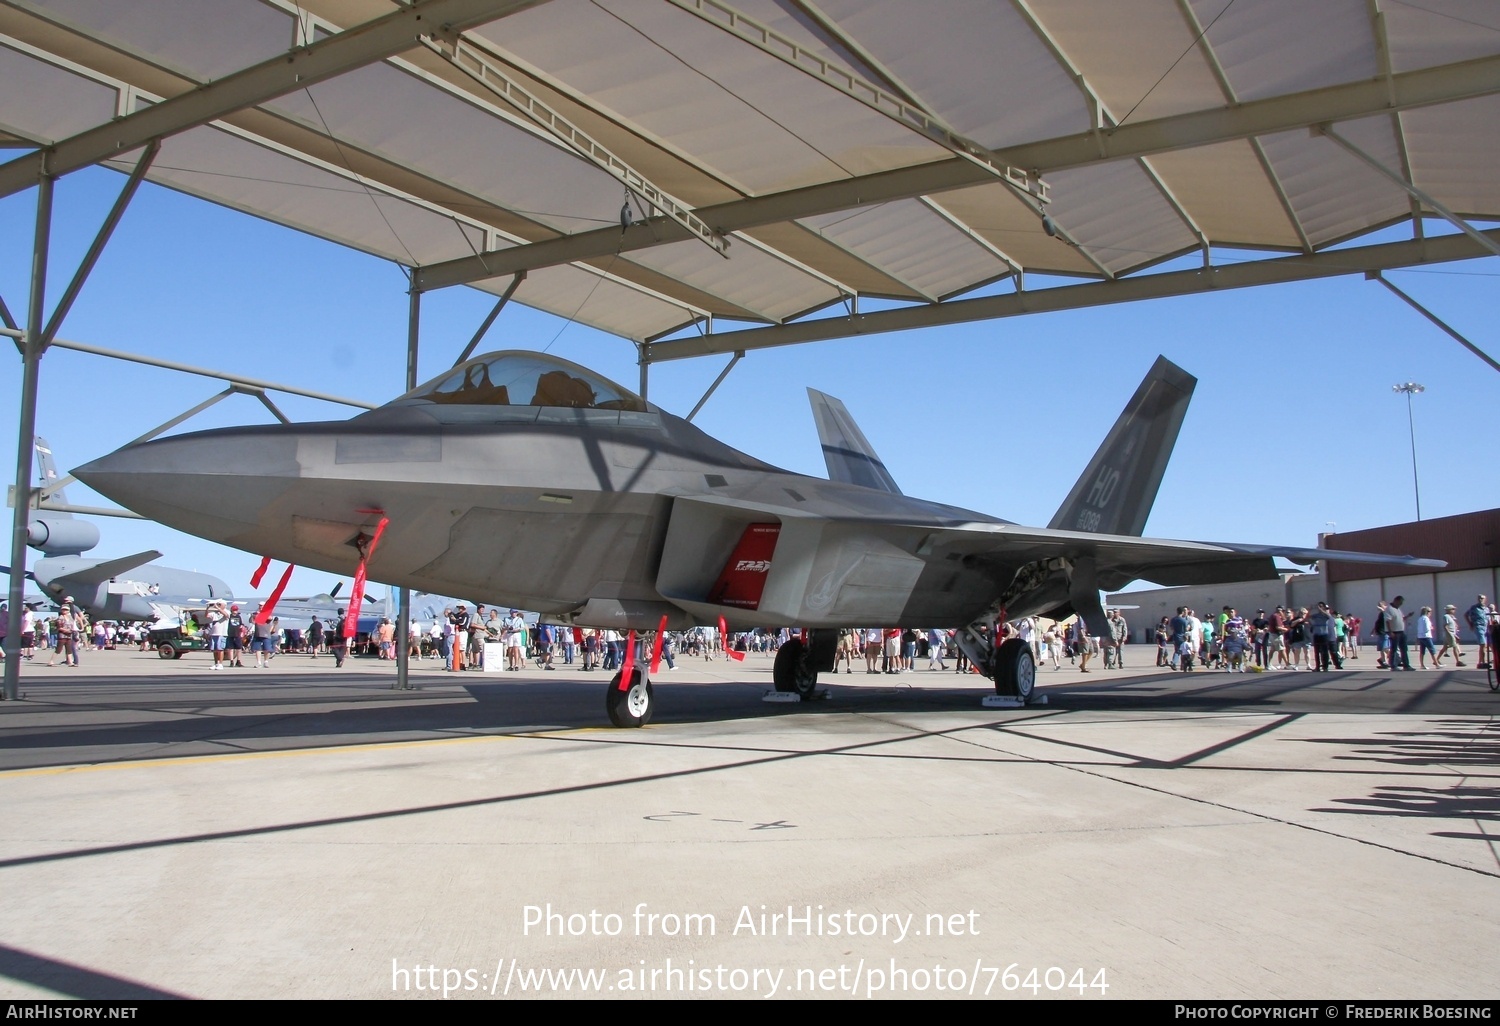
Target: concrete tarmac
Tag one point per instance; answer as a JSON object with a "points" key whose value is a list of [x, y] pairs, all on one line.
{"points": [[301, 832]]}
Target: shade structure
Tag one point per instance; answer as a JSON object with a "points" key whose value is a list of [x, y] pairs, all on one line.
{"points": [[657, 164]]}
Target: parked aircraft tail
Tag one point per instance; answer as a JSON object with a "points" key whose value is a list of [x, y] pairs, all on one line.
{"points": [[850, 457], [1115, 493], [46, 468]]}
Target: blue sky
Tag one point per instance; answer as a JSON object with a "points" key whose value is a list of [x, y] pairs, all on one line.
{"points": [[1293, 424]]}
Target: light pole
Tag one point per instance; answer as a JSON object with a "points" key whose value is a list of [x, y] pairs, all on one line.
{"points": [[1411, 388]]}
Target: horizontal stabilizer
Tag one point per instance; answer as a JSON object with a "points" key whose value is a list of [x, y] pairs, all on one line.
{"points": [[104, 570], [1115, 493], [850, 457]]}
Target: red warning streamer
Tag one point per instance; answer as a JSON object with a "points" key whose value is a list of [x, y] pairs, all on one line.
{"points": [[263, 615], [357, 593], [628, 663], [265, 562], [661, 634], [738, 657]]}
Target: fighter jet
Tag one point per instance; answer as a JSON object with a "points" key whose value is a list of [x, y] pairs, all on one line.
{"points": [[527, 481], [127, 588]]}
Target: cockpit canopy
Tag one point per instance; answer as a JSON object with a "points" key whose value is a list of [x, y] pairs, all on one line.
{"points": [[515, 378]]}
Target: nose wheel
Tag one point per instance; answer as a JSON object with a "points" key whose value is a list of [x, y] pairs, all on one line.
{"points": [[630, 702]]}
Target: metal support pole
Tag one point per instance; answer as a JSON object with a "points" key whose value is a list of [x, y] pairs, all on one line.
{"points": [[92, 256], [645, 366], [403, 595], [249, 383], [31, 357], [717, 381], [1419, 308], [1411, 190], [7, 320], [266, 402], [1411, 426], [510, 290], [49, 490]]}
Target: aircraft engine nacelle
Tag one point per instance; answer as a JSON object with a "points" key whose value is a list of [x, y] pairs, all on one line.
{"points": [[61, 536]]}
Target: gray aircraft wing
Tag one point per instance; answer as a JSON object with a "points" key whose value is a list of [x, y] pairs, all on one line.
{"points": [[1097, 562], [104, 570], [849, 455], [1160, 560]]}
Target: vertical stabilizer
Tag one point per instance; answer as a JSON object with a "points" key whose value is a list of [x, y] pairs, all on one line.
{"points": [[849, 455], [1115, 493], [46, 469]]}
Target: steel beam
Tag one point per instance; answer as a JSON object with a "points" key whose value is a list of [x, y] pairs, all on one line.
{"points": [[403, 594], [249, 383], [265, 401], [473, 342], [101, 238], [1436, 320], [736, 358], [488, 72], [298, 68], [1330, 263], [898, 108], [56, 486], [92, 511], [31, 359], [1411, 190], [1441, 84]]}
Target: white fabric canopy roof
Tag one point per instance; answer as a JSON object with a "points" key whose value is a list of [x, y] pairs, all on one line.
{"points": [[841, 147]]}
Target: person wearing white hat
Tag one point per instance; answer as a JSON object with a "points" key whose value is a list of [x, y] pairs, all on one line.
{"points": [[218, 631], [67, 634]]}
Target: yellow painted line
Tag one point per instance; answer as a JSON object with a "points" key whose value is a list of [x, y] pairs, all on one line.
{"points": [[194, 760]]}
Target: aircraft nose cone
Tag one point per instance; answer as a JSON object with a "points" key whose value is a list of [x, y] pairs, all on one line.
{"points": [[211, 483]]}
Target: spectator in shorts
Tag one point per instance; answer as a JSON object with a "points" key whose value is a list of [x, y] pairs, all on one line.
{"points": [[1479, 619]]}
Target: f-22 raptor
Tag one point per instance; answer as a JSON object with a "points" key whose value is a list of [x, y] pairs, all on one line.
{"points": [[524, 480]]}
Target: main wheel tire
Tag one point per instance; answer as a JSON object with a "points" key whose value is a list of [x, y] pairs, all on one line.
{"points": [[1015, 670], [633, 706], [166, 651], [790, 672]]}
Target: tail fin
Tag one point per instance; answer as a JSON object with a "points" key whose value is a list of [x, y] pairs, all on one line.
{"points": [[847, 452], [46, 469], [1115, 493]]}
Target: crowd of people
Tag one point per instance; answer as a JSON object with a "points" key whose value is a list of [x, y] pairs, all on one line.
{"points": [[1322, 638], [1318, 638]]}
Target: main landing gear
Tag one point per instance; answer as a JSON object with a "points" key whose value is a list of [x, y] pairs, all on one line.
{"points": [[629, 700], [1011, 665], [798, 663], [792, 671]]}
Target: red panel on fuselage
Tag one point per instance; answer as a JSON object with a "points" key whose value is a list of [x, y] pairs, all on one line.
{"points": [[743, 578]]}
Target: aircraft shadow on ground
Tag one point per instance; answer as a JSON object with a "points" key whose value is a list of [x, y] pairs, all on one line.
{"points": [[104, 719]]}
